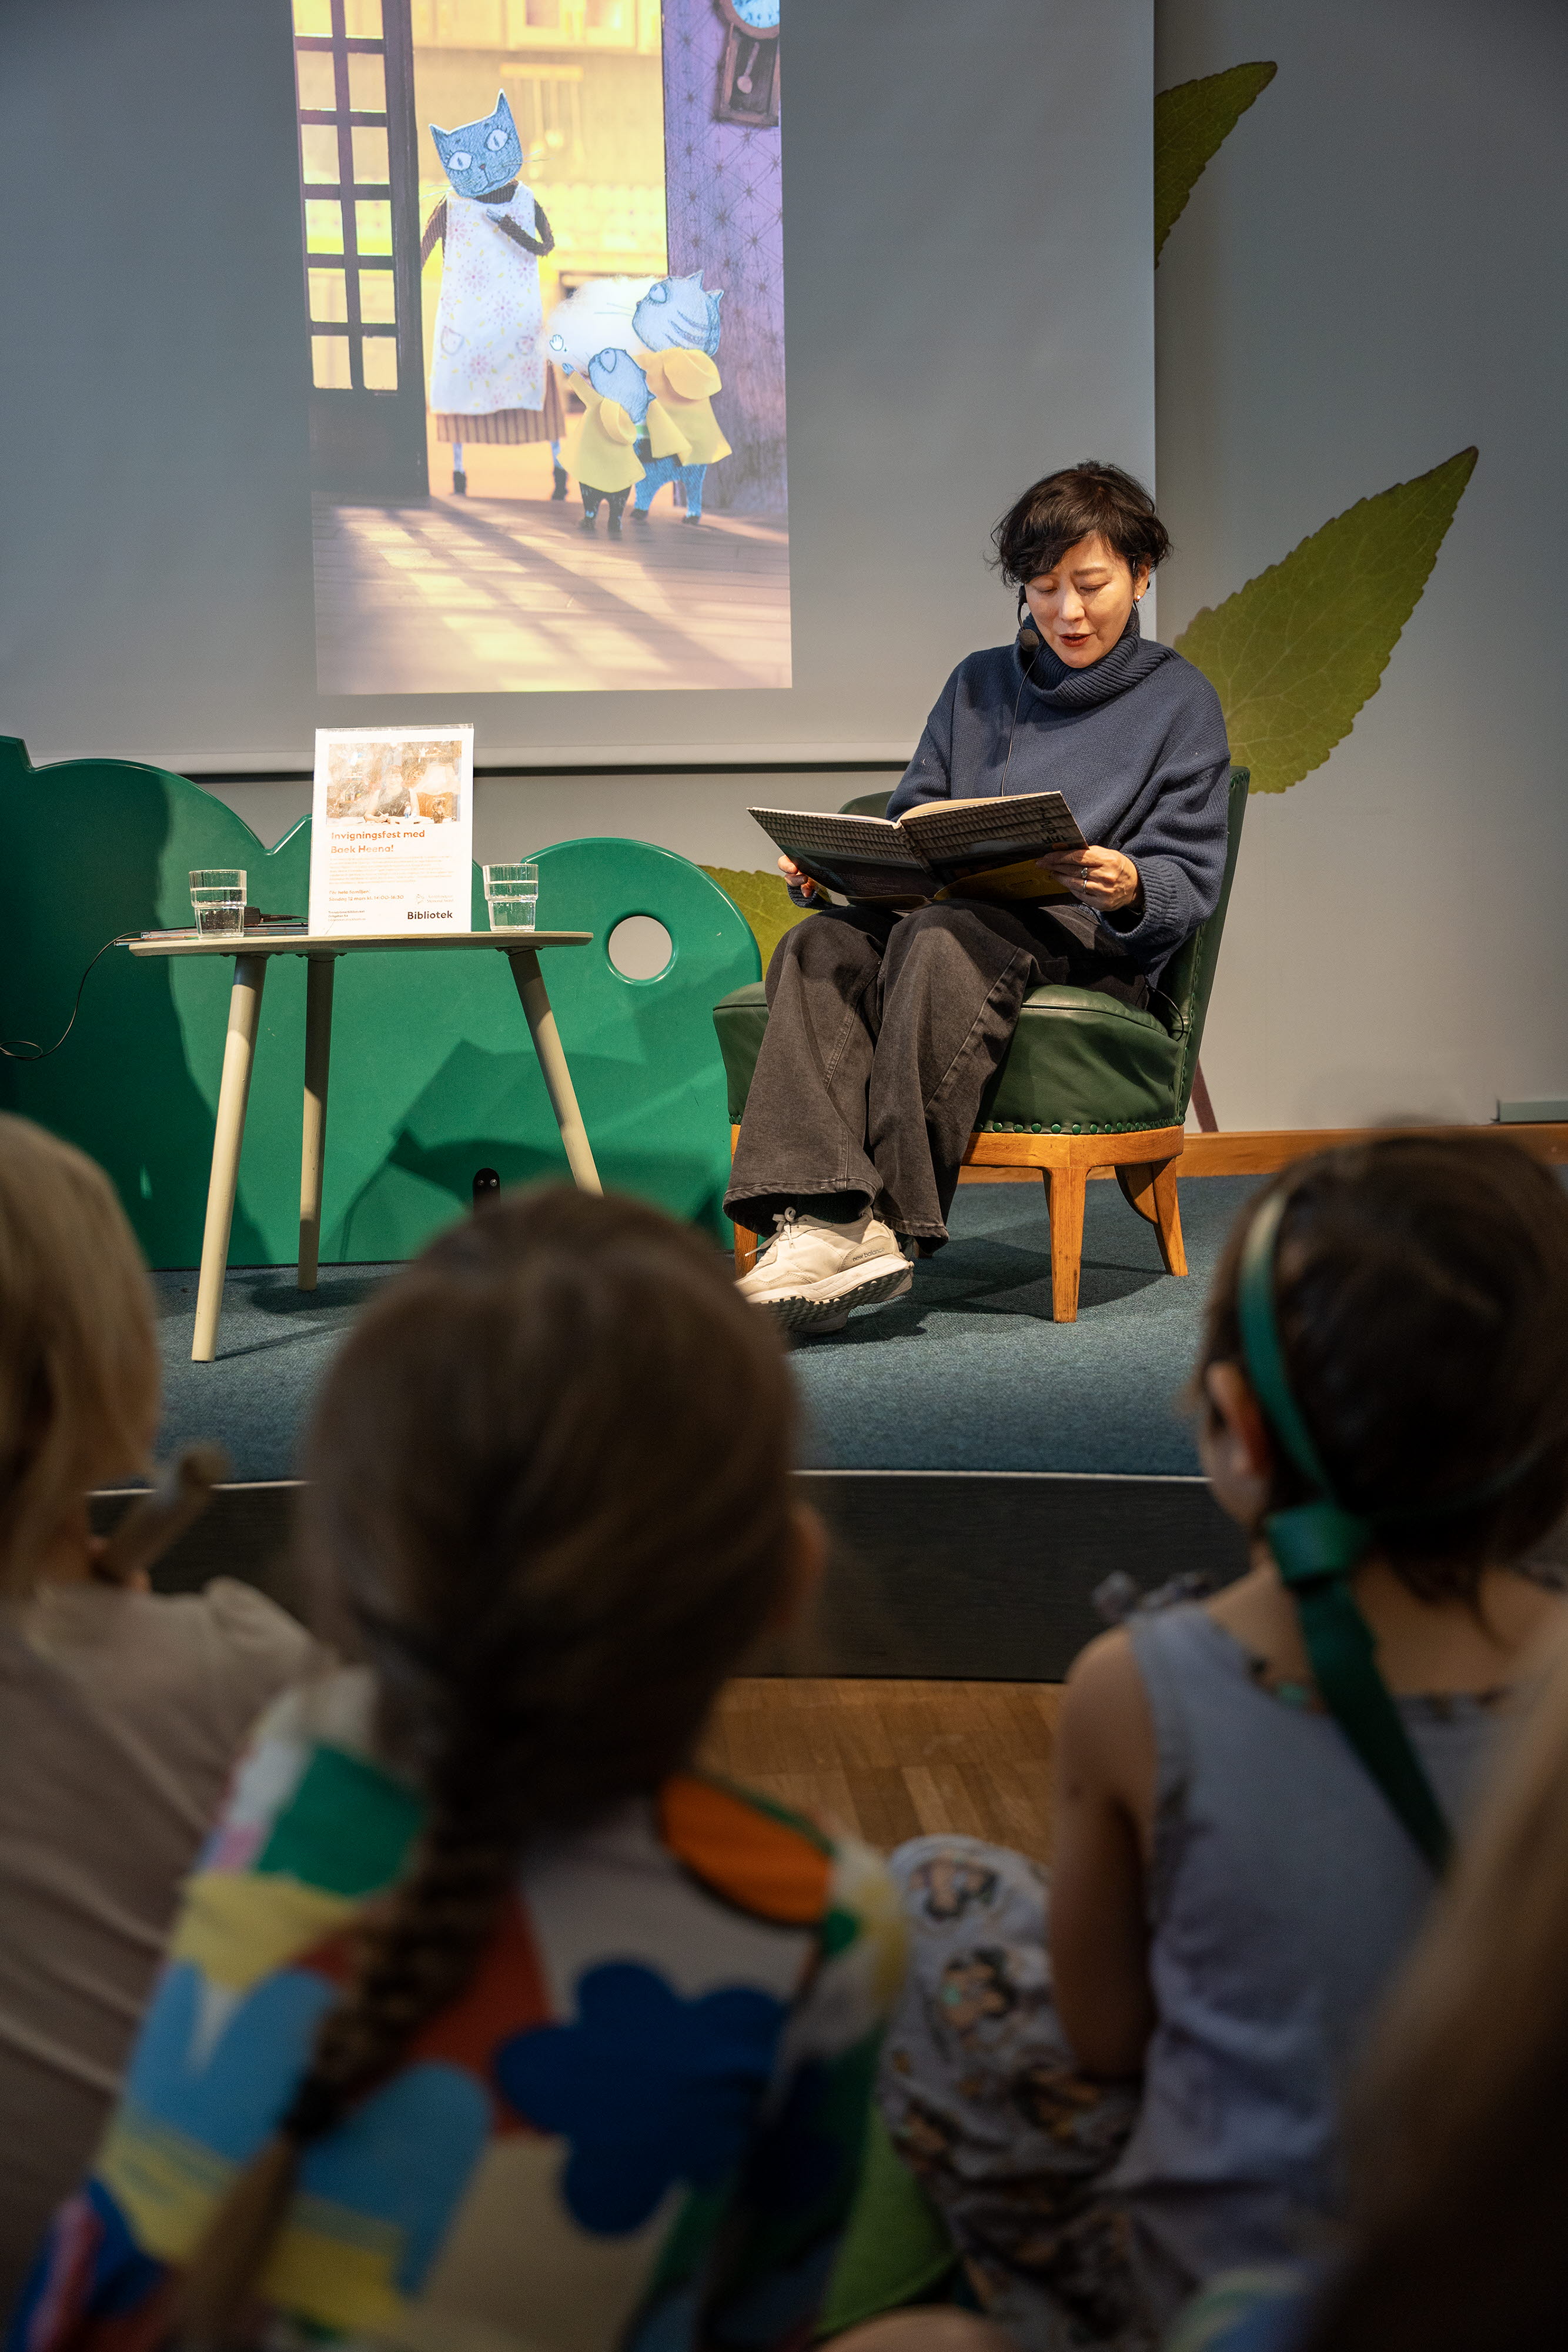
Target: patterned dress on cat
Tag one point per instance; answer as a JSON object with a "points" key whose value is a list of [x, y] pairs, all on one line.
{"points": [[490, 380]]}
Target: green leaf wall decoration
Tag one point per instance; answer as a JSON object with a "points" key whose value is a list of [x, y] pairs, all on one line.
{"points": [[1295, 653], [1191, 122], [765, 902]]}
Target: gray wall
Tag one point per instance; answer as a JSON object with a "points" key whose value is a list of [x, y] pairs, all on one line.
{"points": [[1368, 277]]}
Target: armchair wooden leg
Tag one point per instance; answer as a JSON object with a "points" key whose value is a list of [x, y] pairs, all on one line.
{"points": [[1168, 1219], [745, 1241], [1066, 1188], [1150, 1187]]}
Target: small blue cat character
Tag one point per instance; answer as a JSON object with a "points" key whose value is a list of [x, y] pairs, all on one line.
{"points": [[490, 380], [677, 323], [614, 393]]}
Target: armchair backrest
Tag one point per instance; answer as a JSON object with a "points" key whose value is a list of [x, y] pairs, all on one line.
{"points": [[1188, 979]]}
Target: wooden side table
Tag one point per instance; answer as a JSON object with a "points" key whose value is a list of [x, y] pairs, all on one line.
{"points": [[252, 951]]}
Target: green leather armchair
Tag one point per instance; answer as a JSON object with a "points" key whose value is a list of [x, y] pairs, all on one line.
{"points": [[1087, 1082]]}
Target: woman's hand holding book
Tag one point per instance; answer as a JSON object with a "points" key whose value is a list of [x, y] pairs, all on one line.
{"points": [[1101, 878]]}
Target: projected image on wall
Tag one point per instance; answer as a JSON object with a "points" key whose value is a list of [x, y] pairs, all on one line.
{"points": [[545, 293]]}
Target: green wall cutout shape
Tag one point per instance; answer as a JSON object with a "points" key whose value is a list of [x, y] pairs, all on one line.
{"points": [[765, 902], [1295, 653], [1192, 122], [432, 1072]]}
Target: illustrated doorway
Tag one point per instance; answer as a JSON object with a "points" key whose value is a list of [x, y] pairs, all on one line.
{"points": [[358, 193]]}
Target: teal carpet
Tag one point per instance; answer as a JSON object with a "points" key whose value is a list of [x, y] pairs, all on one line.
{"points": [[968, 1372], [274, 1344]]}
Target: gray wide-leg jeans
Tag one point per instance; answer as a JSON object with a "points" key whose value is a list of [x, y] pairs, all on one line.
{"points": [[883, 1032]]}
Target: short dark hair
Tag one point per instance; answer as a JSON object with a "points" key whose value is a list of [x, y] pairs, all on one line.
{"points": [[1054, 514], [1421, 1292]]}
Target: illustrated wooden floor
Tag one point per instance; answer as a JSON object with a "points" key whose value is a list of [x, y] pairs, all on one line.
{"points": [[484, 595], [890, 1760]]}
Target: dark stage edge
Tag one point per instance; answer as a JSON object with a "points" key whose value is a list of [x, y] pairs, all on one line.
{"points": [[951, 1575]]}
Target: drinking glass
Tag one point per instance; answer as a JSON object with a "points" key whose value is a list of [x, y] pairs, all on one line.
{"points": [[217, 897], [512, 896]]}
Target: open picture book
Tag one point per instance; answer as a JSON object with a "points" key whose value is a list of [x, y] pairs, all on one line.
{"points": [[976, 848]]}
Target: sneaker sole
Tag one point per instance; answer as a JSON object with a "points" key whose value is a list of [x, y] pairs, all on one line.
{"points": [[816, 1314]]}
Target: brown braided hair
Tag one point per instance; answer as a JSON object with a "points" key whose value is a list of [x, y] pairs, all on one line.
{"points": [[549, 1498]]}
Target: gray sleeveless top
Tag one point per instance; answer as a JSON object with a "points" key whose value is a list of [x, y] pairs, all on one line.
{"points": [[1284, 1894]]}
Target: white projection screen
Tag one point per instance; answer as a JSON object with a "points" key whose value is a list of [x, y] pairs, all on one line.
{"points": [[282, 370]]}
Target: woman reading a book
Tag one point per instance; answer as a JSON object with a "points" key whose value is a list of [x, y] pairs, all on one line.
{"points": [[884, 1028]]}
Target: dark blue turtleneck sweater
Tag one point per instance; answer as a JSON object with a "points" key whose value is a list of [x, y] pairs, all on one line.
{"points": [[1136, 744]]}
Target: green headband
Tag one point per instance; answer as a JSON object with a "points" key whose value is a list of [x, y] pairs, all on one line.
{"points": [[1321, 1538], [1317, 1545]]}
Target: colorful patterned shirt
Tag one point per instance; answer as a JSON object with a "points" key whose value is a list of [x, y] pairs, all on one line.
{"points": [[639, 2126]]}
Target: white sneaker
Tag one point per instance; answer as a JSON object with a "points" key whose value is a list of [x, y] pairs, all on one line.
{"points": [[811, 1273]]}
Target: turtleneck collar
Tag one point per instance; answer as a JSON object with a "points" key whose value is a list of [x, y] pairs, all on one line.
{"points": [[1066, 688]]}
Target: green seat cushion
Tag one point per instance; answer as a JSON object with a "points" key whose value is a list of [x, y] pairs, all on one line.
{"points": [[1080, 1060]]}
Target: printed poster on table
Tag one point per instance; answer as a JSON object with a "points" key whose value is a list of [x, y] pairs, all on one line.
{"points": [[391, 831]]}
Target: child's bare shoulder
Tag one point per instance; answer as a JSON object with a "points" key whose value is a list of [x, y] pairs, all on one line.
{"points": [[1105, 1709], [1104, 1667]]}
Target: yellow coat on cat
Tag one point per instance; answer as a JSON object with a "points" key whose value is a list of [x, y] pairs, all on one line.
{"points": [[683, 384], [598, 449]]}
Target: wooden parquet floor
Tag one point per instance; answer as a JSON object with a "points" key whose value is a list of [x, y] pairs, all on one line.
{"points": [[890, 1760]]}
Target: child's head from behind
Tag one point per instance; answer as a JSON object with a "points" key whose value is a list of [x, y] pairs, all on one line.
{"points": [[549, 1487], [1421, 1299], [78, 1351], [550, 1481]]}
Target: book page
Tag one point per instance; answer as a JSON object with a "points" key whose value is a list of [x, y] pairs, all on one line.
{"points": [[1027, 880], [973, 834]]}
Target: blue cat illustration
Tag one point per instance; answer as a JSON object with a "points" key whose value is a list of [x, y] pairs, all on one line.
{"points": [[677, 323], [679, 313], [482, 156], [489, 380], [617, 404], [617, 376]]}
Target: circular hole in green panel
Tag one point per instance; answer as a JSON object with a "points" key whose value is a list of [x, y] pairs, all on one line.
{"points": [[640, 948]]}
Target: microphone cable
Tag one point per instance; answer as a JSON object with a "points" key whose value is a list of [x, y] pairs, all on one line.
{"points": [[26, 1049], [1017, 699]]}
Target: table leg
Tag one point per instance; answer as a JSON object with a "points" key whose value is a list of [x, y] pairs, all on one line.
{"points": [[318, 972], [228, 1133], [526, 971]]}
